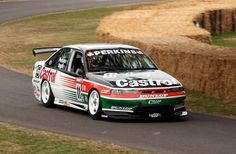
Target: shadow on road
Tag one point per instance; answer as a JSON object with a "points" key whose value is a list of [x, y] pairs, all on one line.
{"points": [[157, 120]]}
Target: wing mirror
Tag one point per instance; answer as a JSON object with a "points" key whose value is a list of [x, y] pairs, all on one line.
{"points": [[79, 71]]}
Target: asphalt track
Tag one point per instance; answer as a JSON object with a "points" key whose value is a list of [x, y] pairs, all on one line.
{"points": [[196, 134]]}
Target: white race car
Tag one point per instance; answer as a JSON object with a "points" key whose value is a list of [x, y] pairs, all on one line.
{"points": [[107, 80]]}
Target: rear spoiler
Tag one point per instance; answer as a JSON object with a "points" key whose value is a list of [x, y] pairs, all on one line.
{"points": [[36, 51]]}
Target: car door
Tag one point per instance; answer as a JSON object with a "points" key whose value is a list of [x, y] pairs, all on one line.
{"points": [[75, 77], [60, 66], [68, 83]]}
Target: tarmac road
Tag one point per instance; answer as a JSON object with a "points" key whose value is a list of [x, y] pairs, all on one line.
{"points": [[197, 134], [25, 8]]}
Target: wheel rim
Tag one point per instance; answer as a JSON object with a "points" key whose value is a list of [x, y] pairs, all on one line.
{"points": [[93, 102], [45, 91]]}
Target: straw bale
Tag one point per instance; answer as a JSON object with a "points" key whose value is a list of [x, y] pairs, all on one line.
{"points": [[173, 35]]}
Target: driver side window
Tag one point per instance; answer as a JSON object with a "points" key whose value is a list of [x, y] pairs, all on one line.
{"points": [[77, 63]]}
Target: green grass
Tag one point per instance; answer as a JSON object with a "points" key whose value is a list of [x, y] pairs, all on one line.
{"points": [[225, 40], [17, 140], [20, 36], [199, 102]]}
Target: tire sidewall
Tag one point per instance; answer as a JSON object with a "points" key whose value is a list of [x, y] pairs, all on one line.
{"points": [[50, 102], [97, 115]]}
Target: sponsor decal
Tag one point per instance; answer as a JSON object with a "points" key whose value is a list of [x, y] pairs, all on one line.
{"points": [[37, 94], [38, 68], [105, 91], [129, 74], [66, 103], [90, 54], [116, 51], [145, 83], [85, 98], [37, 91], [36, 81], [80, 80], [142, 75], [179, 106], [120, 108], [83, 88], [104, 116], [48, 74], [37, 75], [153, 95], [154, 101], [154, 115], [110, 75], [79, 97]]}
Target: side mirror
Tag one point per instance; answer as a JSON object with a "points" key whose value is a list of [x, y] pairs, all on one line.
{"points": [[79, 71]]}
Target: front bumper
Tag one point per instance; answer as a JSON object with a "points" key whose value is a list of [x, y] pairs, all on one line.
{"points": [[144, 108], [148, 113]]}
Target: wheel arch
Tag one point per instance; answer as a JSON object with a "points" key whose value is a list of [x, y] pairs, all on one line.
{"points": [[92, 90]]}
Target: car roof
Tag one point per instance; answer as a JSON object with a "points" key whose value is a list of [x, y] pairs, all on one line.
{"points": [[97, 46]]}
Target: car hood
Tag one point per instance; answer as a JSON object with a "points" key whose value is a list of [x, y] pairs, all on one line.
{"points": [[134, 79]]}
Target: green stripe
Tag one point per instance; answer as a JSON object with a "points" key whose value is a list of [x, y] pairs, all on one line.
{"points": [[71, 95], [108, 103]]}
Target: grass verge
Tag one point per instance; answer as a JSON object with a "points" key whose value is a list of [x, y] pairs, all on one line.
{"points": [[200, 103], [18, 140], [225, 40], [20, 36]]}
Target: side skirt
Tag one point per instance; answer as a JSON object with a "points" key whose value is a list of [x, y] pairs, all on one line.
{"points": [[72, 104]]}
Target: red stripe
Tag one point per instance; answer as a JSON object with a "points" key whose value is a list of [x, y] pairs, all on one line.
{"points": [[72, 84], [68, 78], [72, 87]]}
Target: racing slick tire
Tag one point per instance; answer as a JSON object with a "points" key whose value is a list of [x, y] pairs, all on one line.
{"points": [[95, 105], [47, 97]]}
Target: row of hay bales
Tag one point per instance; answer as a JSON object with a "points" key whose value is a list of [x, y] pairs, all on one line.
{"points": [[171, 34], [216, 22]]}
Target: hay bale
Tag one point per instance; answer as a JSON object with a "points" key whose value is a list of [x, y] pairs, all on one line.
{"points": [[168, 33]]}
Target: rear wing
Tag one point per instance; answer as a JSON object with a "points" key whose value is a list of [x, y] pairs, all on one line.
{"points": [[36, 51]]}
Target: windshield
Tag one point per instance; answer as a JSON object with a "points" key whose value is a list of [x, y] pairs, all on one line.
{"points": [[117, 59]]}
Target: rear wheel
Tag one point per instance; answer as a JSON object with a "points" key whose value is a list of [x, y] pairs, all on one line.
{"points": [[95, 106], [47, 97]]}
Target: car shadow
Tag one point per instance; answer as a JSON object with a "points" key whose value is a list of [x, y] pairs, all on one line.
{"points": [[71, 110], [154, 120]]}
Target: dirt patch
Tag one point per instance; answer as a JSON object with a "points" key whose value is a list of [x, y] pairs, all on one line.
{"points": [[177, 35]]}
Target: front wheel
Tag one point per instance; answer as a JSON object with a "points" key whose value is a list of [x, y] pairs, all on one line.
{"points": [[95, 106], [47, 97]]}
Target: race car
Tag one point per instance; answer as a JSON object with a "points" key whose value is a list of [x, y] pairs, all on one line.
{"points": [[108, 81]]}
